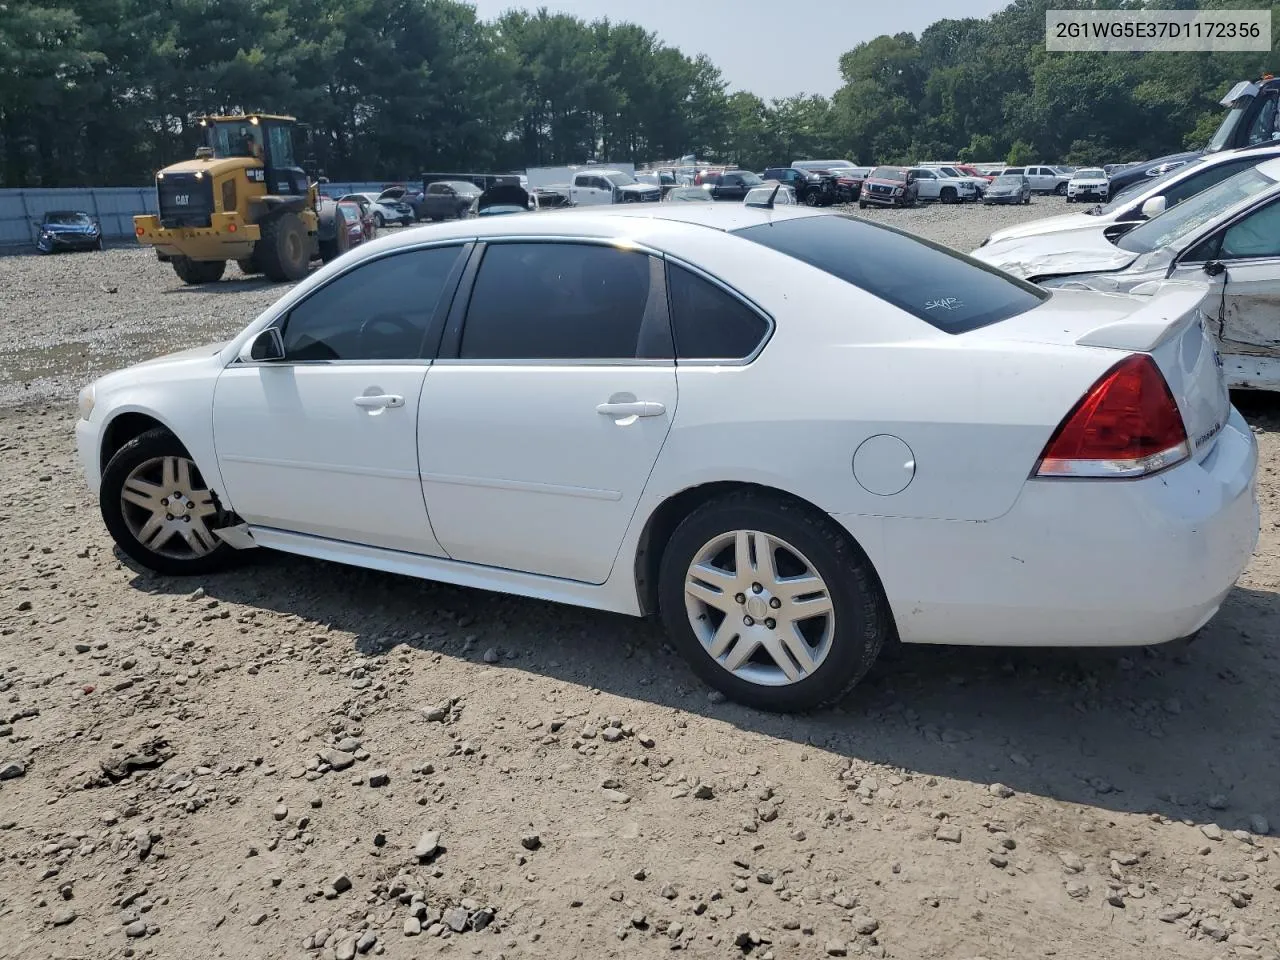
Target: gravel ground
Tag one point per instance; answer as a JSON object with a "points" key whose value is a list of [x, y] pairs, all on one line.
{"points": [[304, 760]]}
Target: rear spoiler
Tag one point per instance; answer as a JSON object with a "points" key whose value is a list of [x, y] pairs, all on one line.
{"points": [[1152, 323]]}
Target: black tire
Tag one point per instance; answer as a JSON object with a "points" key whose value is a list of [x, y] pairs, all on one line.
{"points": [[100, 245], [196, 272], [1060, 189], [283, 251], [948, 195], [378, 220], [862, 619], [811, 198], [1026, 201], [151, 445], [862, 204]]}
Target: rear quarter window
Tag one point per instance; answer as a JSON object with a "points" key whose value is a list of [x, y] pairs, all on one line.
{"points": [[943, 288]]}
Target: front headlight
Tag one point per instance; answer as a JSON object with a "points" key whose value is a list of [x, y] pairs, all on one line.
{"points": [[85, 402]]}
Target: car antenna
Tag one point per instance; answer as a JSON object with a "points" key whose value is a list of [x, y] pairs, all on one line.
{"points": [[769, 205]]}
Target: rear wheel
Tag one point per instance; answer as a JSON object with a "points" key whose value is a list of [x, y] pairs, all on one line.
{"points": [[159, 509], [948, 195], [771, 603], [862, 204], [1060, 189], [378, 220], [811, 198], [195, 272], [100, 245], [283, 250]]}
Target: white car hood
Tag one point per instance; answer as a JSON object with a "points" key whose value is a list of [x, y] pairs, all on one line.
{"points": [[147, 369], [1074, 251], [1069, 221]]}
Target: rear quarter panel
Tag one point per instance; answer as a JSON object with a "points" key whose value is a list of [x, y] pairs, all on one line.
{"points": [[843, 366]]}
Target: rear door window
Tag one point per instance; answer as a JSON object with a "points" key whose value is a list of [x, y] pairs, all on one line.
{"points": [[931, 282], [565, 301]]}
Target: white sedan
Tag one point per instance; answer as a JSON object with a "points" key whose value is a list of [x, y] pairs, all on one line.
{"points": [[792, 435]]}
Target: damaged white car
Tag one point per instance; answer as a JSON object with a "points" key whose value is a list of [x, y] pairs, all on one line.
{"points": [[1226, 239]]}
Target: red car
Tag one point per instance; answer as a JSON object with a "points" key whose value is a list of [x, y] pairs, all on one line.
{"points": [[970, 171], [354, 220]]}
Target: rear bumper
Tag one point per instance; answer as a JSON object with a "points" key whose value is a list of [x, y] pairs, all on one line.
{"points": [[1078, 563], [226, 237]]}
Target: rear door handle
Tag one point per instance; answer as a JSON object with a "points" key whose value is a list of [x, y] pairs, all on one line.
{"points": [[632, 408], [379, 402]]}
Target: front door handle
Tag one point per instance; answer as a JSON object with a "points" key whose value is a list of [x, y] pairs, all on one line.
{"points": [[379, 402], [632, 408]]}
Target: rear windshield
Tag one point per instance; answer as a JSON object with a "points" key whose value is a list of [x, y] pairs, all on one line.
{"points": [[889, 173], [929, 281]]}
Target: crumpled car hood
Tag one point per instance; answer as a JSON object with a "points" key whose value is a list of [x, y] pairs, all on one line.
{"points": [[1075, 251], [1068, 221]]}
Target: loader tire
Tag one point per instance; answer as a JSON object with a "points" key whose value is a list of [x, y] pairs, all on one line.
{"points": [[284, 250], [195, 272]]}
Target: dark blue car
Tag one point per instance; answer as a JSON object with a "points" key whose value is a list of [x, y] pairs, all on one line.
{"points": [[68, 230]]}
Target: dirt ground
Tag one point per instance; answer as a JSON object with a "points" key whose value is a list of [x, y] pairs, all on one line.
{"points": [[298, 759]]}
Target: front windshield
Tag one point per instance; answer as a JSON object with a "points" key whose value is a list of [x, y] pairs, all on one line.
{"points": [[464, 188], [67, 219], [235, 138], [1174, 226], [889, 173], [619, 179], [1002, 181], [1090, 174], [750, 179], [1228, 125]]}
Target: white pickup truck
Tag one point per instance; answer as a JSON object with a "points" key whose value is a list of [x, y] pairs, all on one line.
{"points": [[594, 184], [932, 185]]}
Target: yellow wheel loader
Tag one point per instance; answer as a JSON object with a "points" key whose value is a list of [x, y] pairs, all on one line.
{"points": [[244, 198]]}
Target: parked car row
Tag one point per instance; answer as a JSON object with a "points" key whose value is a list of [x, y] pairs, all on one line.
{"points": [[1211, 225]]}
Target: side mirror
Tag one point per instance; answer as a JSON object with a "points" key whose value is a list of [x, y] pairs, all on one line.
{"points": [[265, 346], [1154, 207], [1214, 268]]}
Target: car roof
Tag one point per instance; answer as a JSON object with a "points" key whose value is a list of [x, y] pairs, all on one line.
{"points": [[615, 220]]}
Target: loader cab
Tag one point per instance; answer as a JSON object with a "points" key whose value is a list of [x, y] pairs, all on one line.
{"points": [[262, 137]]}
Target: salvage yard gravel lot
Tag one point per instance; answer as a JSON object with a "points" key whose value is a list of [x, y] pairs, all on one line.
{"points": [[299, 759]]}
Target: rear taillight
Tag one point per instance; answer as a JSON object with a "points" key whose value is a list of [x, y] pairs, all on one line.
{"points": [[1128, 425]]}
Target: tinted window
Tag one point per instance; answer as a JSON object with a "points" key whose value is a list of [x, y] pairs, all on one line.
{"points": [[377, 311], [927, 280], [560, 301], [710, 323], [889, 173], [1175, 226], [1014, 170]]}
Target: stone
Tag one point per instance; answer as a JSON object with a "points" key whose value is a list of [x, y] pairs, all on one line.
{"points": [[1000, 790], [136, 929], [836, 948], [639, 920], [257, 919], [455, 918], [63, 917], [379, 778], [428, 844], [337, 759], [1071, 862], [617, 796], [438, 713], [704, 791], [345, 949], [1259, 825], [341, 883], [1175, 913], [948, 832], [1218, 801], [866, 926], [12, 769], [1116, 900], [1077, 889], [1214, 929], [491, 655], [366, 941], [612, 734], [1212, 831], [1123, 858], [280, 812], [531, 841], [412, 926]]}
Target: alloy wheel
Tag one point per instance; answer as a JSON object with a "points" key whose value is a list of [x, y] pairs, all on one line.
{"points": [[167, 508], [759, 608]]}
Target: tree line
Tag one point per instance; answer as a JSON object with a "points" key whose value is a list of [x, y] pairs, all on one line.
{"points": [[105, 92]]}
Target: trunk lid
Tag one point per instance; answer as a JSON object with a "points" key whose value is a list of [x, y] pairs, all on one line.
{"points": [[1167, 325]]}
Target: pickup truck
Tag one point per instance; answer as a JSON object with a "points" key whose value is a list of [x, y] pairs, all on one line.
{"points": [[932, 185], [611, 186], [731, 185]]}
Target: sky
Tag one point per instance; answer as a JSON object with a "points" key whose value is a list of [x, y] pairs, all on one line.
{"points": [[769, 47]]}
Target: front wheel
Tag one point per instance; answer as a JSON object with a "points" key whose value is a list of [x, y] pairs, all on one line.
{"points": [[949, 195], [379, 221], [1060, 189], [811, 199], [771, 603], [159, 510]]}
